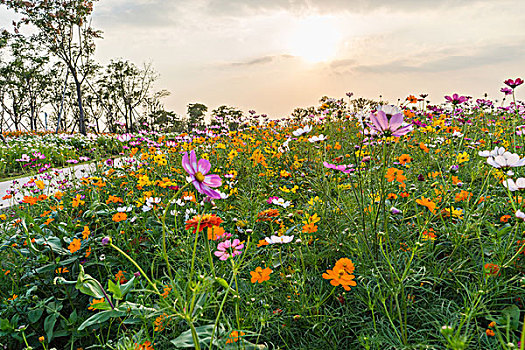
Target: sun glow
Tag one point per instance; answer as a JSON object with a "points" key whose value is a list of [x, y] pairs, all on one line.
{"points": [[314, 39]]}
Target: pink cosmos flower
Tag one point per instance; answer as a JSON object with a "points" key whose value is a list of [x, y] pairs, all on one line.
{"points": [[514, 83], [197, 175], [341, 167], [506, 91], [456, 99], [388, 124], [228, 249]]}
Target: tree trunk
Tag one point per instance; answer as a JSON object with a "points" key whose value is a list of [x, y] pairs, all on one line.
{"points": [[81, 120]]}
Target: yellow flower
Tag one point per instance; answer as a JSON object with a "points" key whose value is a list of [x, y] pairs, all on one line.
{"points": [[462, 158]]}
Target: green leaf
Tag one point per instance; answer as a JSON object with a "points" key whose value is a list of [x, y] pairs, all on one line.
{"points": [[185, 340], [49, 324], [34, 315], [511, 316], [5, 325], [101, 317], [115, 289], [126, 287], [88, 285], [56, 245]]}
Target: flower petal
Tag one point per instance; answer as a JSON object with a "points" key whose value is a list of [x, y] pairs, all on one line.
{"points": [[212, 180], [203, 166]]}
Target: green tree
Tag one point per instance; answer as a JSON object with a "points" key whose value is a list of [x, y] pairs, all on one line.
{"points": [[196, 113], [63, 28]]}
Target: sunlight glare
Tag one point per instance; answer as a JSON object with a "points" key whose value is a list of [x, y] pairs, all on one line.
{"points": [[315, 39]]}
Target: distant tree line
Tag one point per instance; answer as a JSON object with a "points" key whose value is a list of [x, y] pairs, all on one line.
{"points": [[50, 81]]}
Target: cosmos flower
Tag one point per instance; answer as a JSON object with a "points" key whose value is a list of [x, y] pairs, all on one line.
{"points": [[319, 138], [388, 121], [228, 249], [456, 99], [505, 161], [302, 131], [197, 175], [279, 239], [514, 83], [495, 152], [512, 185]]}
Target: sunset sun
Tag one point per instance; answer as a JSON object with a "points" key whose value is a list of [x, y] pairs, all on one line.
{"points": [[314, 39]]}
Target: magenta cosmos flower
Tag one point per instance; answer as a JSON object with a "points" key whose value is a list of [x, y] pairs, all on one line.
{"points": [[197, 175], [456, 99], [388, 122], [514, 83]]}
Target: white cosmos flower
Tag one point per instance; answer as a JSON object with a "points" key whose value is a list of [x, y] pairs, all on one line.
{"points": [[125, 209], [498, 151], [279, 239], [506, 160], [281, 202], [317, 138], [512, 185], [520, 215], [389, 109], [302, 131]]}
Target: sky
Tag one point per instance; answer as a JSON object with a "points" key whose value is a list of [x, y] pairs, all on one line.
{"points": [[274, 55]]}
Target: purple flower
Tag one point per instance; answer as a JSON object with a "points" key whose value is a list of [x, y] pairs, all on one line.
{"points": [[389, 122], [106, 241], [228, 249], [456, 99], [514, 83], [506, 91], [197, 175]]}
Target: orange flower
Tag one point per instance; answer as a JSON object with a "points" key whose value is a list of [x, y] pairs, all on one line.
{"points": [[167, 291], [404, 158], [159, 322], [429, 235], [395, 174], [95, 302], [48, 221], [424, 147], [74, 245], [411, 99], [260, 275], [118, 217], [85, 233], [88, 252], [310, 228], [234, 337], [120, 277], [505, 218], [202, 222], [77, 201], [339, 276], [215, 232], [29, 200], [267, 215], [490, 332], [144, 346], [491, 269], [426, 202], [345, 264], [262, 243]]}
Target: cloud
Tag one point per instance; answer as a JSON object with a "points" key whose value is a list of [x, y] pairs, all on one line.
{"points": [[260, 60], [138, 13], [236, 7], [443, 60]]}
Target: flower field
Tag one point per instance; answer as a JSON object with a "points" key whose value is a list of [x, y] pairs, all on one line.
{"points": [[397, 227], [35, 153]]}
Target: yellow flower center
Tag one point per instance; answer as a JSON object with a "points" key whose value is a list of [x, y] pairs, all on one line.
{"points": [[199, 176]]}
